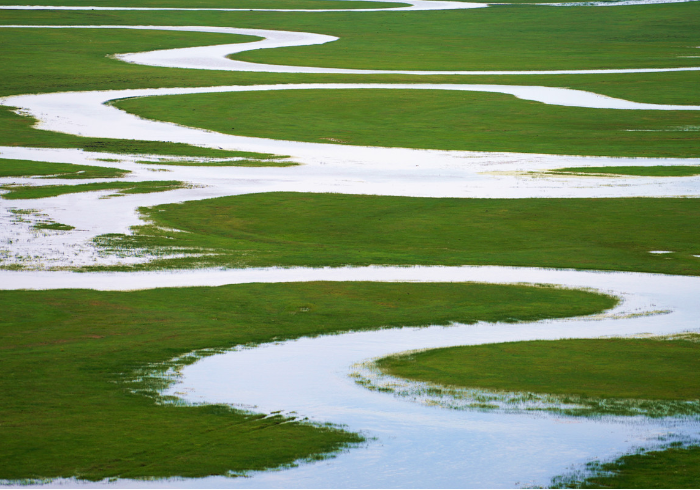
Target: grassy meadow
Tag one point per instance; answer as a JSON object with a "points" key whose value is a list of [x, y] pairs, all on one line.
{"points": [[676, 467], [121, 188], [615, 368], [478, 39], [227, 4], [431, 119], [68, 408], [47, 170], [497, 38], [316, 230]]}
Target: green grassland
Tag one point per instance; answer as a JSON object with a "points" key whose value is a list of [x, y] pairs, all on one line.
{"points": [[67, 410], [297, 229], [431, 119], [76, 60], [502, 38], [479, 39], [651, 171], [29, 168], [675, 467], [43, 191], [227, 4], [498, 38], [614, 368], [67, 355]]}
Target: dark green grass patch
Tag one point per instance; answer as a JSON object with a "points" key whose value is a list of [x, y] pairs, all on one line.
{"points": [[431, 119], [652, 171], [66, 410], [675, 467], [226, 163], [297, 229], [51, 225], [39, 192], [29, 168], [600, 368]]}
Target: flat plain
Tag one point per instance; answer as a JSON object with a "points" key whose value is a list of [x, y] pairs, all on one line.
{"points": [[84, 371]]}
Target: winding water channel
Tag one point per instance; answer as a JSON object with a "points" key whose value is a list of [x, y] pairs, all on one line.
{"points": [[410, 444]]}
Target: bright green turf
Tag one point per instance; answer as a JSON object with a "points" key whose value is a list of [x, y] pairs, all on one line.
{"points": [[675, 467], [228, 4], [296, 229], [77, 59], [29, 168], [499, 38], [652, 171], [39, 192], [66, 410], [431, 119], [477, 39], [607, 368]]}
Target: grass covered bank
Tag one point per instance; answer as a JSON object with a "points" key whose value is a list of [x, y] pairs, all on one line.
{"points": [[121, 188], [599, 368], [316, 230], [30, 168], [675, 467], [600, 373], [652, 171], [65, 355], [433, 119]]}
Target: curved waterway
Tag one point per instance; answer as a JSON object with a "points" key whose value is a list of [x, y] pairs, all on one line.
{"points": [[413, 445], [409, 5], [409, 444], [216, 57]]}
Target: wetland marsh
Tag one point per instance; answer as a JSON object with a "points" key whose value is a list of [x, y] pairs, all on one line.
{"points": [[301, 213]]}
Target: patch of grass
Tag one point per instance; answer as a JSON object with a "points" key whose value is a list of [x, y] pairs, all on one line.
{"points": [[29, 168], [316, 230], [68, 410], [674, 467], [442, 120], [39, 192], [145, 148], [51, 225], [246, 162], [651, 171], [600, 368]]}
